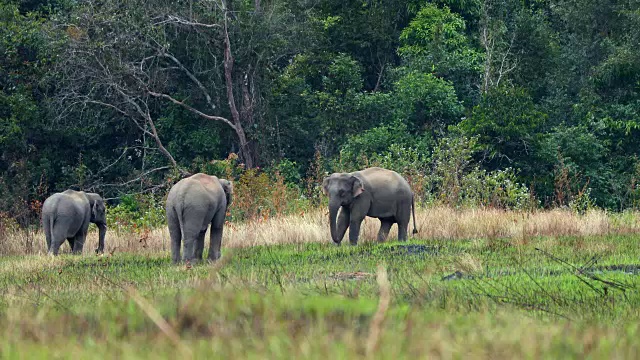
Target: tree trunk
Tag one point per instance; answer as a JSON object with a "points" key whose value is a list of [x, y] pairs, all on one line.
{"points": [[245, 151]]}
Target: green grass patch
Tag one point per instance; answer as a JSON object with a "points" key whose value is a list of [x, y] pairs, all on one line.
{"points": [[448, 298]]}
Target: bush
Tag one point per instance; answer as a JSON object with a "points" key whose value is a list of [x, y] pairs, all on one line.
{"points": [[229, 168], [137, 213], [455, 180], [260, 195], [289, 170], [496, 189]]}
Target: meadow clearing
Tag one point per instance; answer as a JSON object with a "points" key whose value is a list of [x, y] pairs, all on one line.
{"points": [[472, 283]]}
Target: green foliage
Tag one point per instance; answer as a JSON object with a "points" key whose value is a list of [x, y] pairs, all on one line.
{"points": [[27, 45], [425, 102], [455, 179], [319, 100], [229, 168], [550, 91], [138, 213], [435, 42], [579, 161], [495, 189], [507, 124], [373, 142], [191, 137], [289, 170], [436, 38], [449, 175]]}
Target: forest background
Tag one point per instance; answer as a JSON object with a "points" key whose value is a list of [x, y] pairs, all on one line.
{"points": [[479, 103]]}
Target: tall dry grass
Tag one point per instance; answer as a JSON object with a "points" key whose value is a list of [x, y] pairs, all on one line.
{"points": [[433, 223]]}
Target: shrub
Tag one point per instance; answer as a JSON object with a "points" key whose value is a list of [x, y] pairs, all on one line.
{"points": [[138, 213], [455, 180], [259, 194], [229, 168]]}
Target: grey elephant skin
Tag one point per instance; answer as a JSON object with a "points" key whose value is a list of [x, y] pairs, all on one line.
{"points": [[374, 192], [66, 216], [192, 204]]}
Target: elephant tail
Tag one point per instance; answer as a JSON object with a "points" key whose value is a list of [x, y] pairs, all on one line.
{"points": [[179, 209], [413, 209], [48, 221]]}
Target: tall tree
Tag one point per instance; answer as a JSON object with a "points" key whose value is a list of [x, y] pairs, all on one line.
{"points": [[208, 58]]}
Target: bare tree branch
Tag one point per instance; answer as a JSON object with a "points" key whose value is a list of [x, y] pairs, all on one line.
{"points": [[195, 111], [172, 19], [375, 89], [113, 163], [193, 78], [139, 177]]}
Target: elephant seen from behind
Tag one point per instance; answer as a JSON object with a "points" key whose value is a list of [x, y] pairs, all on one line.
{"points": [[192, 204], [374, 192], [66, 216]]}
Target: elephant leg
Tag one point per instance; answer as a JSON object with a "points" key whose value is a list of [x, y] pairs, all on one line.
{"points": [[403, 216], [385, 226], [80, 238], [194, 228], [78, 242], [402, 230], [215, 243], [189, 249], [58, 237], [71, 241], [200, 247], [342, 223], [358, 212], [175, 233], [190, 243], [215, 237], [354, 230]]}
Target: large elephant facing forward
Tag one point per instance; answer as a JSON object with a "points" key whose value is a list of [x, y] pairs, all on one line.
{"points": [[192, 204], [374, 192], [66, 216]]}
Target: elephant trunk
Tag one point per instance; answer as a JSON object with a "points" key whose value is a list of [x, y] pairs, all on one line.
{"points": [[102, 232], [333, 214]]}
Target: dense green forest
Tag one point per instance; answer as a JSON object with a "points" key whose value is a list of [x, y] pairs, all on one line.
{"points": [[536, 99]]}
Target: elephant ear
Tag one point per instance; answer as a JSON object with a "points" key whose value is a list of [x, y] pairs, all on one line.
{"points": [[227, 186], [325, 186], [94, 210], [357, 187]]}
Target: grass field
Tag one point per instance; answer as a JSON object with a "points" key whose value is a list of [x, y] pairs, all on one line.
{"points": [[497, 293]]}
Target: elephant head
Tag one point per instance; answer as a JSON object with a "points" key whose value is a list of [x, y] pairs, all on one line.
{"points": [[342, 189], [98, 217], [228, 190]]}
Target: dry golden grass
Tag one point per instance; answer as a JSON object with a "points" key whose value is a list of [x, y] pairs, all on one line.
{"points": [[433, 223]]}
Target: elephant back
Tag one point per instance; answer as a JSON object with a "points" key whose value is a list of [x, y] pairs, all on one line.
{"points": [[67, 203], [201, 185], [376, 177], [77, 197]]}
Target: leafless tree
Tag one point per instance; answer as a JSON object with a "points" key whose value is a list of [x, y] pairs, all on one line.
{"points": [[135, 72], [497, 41]]}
